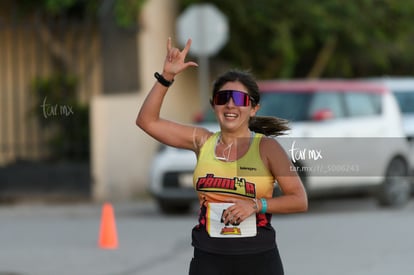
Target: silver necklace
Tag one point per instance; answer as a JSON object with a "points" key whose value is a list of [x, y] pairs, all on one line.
{"points": [[226, 151]]}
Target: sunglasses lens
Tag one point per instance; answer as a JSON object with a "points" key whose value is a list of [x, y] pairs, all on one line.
{"points": [[221, 98], [239, 98]]}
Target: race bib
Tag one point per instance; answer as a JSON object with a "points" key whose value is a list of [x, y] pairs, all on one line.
{"points": [[217, 229]]}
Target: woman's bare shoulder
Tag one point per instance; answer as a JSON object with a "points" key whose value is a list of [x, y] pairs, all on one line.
{"points": [[271, 150], [200, 136]]}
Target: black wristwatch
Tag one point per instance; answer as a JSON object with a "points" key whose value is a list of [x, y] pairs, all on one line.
{"points": [[162, 80]]}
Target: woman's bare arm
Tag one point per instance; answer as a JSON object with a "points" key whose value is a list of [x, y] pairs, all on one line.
{"points": [[294, 198], [148, 119]]}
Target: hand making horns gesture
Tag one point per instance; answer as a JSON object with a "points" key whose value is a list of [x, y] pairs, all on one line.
{"points": [[175, 60]]}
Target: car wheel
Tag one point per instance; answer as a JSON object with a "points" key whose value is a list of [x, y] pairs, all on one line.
{"points": [[395, 190], [169, 207]]}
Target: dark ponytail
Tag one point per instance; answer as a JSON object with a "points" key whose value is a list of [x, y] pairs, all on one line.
{"points": [[267, 125]]}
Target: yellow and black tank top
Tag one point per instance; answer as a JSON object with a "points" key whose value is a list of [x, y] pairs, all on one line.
{"points": [[216, 180]]}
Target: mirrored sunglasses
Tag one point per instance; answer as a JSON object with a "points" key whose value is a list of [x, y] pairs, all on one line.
{"points": [[239, 98]]}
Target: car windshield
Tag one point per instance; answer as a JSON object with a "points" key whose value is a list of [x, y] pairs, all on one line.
{"points": [[287, 105], [406, 101]]}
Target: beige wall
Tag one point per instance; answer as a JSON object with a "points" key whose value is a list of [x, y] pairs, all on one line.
{"points": [[121, 152]]}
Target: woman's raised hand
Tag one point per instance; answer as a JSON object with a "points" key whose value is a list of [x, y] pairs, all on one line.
{"points": [[175, 60]]}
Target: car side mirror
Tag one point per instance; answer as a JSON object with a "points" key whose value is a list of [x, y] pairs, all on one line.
{"points": [[322, 114]]}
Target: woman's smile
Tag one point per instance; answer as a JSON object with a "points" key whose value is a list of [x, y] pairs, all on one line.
{"points": [[231, 115]]}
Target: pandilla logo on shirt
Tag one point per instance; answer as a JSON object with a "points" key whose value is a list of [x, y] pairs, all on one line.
{"points": [[236, 185]]}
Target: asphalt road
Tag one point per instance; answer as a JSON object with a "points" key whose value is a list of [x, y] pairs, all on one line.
{"points": [[343, 237]]}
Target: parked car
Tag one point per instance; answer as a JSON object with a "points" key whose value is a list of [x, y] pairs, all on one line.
{"points": [[354, 126], [346, 136]]}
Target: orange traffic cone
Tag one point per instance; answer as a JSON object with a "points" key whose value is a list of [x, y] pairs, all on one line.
{"points": [[108, 238]]}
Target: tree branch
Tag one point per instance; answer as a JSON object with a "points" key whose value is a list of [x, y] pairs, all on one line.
{"points": [[323, 57], [56, 48]]}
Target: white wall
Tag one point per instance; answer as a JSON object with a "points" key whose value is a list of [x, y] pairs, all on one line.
{"points": [[121, 152]]}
